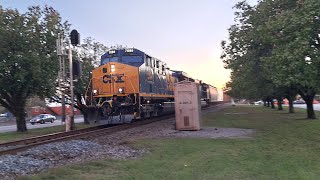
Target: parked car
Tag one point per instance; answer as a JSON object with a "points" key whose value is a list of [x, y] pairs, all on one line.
{"points": [[7, 116], [299, 101], [4, 115], [258, 102], [43, 118]]}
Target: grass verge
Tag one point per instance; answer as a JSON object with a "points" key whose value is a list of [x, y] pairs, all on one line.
{"points": [[11, 136], [285, 146]]}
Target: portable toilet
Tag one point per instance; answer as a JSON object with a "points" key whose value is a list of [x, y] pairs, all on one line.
{"points": [[187, 105]]}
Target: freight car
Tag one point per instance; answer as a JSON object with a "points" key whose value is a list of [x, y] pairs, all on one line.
{"points": [[208, 93], [130, 84]]}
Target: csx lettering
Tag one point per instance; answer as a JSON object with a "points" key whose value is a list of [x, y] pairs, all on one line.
{"points": [[119, 79], [108, 78]]}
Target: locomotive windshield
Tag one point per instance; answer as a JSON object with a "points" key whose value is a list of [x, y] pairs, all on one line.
{"points": [[133, 57], [131, 60], [111, 59]]}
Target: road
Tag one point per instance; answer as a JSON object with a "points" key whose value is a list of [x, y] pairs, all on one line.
{"points": [[316, 107], [57, 122]]}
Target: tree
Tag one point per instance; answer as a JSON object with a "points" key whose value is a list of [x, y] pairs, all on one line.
{"points": [[28, 62], [249, 78], [294, 33], [280, 38]]}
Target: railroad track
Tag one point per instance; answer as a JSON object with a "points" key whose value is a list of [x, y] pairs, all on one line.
{"points": [[20, 145], [14, 147]]}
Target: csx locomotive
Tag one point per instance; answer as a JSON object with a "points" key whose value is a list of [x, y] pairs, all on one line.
{"points": [[130, 84]]}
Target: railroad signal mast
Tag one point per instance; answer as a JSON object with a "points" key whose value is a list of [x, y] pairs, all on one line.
{"points": [[62, 75], [73, 41]]}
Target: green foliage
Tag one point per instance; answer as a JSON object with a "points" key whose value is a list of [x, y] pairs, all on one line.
{"points": [[273, 50], [90, 53], [28, 61], [241, 54], [294, 33]]}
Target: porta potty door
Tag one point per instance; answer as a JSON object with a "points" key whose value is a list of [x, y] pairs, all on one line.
{"points": [[187, 106]]}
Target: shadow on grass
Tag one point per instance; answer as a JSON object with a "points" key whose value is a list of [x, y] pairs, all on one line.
{"points": [[306, 119]]}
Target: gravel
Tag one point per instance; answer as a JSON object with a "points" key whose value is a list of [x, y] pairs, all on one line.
{"points": [[12, 165], [54, 152], [60, 153]]}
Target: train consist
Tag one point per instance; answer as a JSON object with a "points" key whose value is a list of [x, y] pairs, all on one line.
{"points": [[130, 84]]}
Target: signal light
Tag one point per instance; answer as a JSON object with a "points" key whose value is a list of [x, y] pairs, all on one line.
{"points": [[77, 69], [75, 37]]}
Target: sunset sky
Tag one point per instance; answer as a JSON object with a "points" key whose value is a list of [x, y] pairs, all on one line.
{"points": [[186, 34]]}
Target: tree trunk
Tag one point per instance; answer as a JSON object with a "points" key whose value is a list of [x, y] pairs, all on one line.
{"points": [[268, 103], [272, 105], [264, 103], [83, 109], [85, 117], [19, 112], [290, 99], [72, 123], [280, 104], [21, 121], [310, 111], [291, 108]]}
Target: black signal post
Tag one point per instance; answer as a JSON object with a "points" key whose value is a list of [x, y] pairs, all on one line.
{"points": [[74, 40]]}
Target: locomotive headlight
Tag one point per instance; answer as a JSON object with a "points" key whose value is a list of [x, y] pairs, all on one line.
{"points": [[129, 50], [113, 67], [121, 90], [95, 91], [112, 51]]}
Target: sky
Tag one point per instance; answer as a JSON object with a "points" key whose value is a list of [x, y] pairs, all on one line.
{"points": [[186, 34]]}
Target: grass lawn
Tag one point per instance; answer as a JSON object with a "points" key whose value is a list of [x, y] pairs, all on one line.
{"points": [[11, 136], [285, 146]]}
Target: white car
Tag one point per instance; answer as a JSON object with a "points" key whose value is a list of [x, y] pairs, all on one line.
{"points": [[258, 102]]}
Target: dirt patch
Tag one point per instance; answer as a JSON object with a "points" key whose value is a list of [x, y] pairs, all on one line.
{"points": [[166, 128], [214, 133]]}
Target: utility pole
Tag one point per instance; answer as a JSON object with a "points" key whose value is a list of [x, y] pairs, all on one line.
{"points": [[63, 98]]}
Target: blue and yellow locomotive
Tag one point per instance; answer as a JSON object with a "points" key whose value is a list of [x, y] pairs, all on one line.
{"points": [[131, 84]]}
